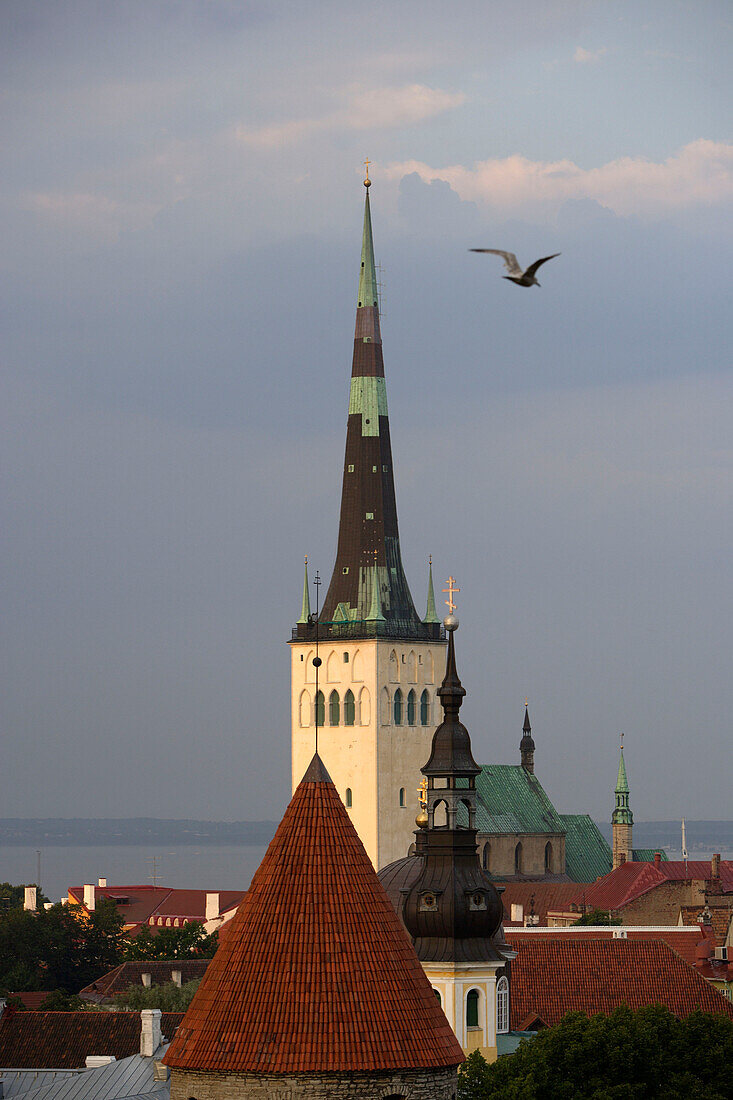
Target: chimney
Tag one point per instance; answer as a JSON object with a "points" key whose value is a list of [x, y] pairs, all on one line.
{"points": [[715, 867], [30, 902], [177, 977], [147, 980], [517, 912], [150, 1031], [212, 906], [102, 883], [89, 896], [657, 858], [3, 1003]]}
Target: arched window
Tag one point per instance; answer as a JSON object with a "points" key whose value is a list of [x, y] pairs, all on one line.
{"points": [[411, 708], [402, 796], [486, 857], [334, 709], [305, 708], [412, 667], [365, 708], [333, 670], [429, 668], [440, 814], [310, 672], [349, 708], [320, 709], [472, 1008], [348, 798], [394, 668], [386, 713], [397, 708], [548, 857], [502, 1005], [437, 994], [357, 666], [518, 859], [425, 709]]}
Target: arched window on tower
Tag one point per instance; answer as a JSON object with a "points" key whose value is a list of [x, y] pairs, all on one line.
{"points": [[334, 709], [402, 796], [486, 857], [349, 708], [502, 1006], [548, 857], [394, 668], [411, 708], [518, 859], [320, 709], [348, 798], [385, 708], [397, 708], [472, 1008], [425, 709], [305, 708], [412, 667], [365, 709]]}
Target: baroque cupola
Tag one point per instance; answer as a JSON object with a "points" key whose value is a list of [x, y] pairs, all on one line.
{"points": [[452, 909]]}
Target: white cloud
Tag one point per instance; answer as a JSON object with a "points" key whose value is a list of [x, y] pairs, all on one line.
{"points": [[700, 173], [588, 57], [95, 215], [361, 109]]}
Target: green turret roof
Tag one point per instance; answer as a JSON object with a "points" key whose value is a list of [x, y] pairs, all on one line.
{"points": [[622, 783], [305, 610], [368, 274]]}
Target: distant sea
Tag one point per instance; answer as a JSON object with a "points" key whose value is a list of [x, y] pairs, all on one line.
{"points": [[209, 867]]}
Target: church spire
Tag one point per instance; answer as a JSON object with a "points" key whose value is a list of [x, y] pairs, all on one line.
{"points": [[622, 819], [526, 745], [431, 615], [305, 610], [368, 540]]}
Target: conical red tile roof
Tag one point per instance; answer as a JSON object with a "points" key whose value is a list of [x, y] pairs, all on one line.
{"points": [[317, 973]]}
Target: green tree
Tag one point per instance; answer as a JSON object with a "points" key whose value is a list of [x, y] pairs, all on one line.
{"points": [[58, 1001], [598, 916], [167, 997], [625, 1056], [190, 941], [63, 947], [13, 897]]}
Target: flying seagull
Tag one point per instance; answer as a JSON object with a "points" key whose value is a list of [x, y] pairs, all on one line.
{"points": [[516, 275]]}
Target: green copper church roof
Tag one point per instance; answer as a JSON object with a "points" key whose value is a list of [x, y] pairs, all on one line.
{"points": [[305, 610], [431, 615], [587, 852], [511, 800], [646, 855]]}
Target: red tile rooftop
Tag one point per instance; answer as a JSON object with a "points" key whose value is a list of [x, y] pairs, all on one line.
{"points": [[64, 1040], [551, 977], [682, 940], [633, 880], [316, 973]]}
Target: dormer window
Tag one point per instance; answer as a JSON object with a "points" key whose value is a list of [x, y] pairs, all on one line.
{"points": [[477, 901], [428, 902]]}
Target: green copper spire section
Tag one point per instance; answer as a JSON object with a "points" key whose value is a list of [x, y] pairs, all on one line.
{"points": [[305, 611], [622, 815], [375, 609], [431, 615], [368, 273]]}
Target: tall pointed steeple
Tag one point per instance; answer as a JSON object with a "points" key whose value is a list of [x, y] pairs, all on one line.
{"points": [[431, 615], [622, 819], [305, 610], [368, 531], [526, 745]]}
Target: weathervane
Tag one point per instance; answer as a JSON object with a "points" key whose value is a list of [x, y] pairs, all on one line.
{"points": [[452, 589]]}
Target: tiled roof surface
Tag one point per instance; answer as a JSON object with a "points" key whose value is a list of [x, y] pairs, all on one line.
{"points": [[144, 902], [126, 974], [551, 977], [510, 800], [317, 973], [587, 852], [63, 1040], [552, 896], [682, 940], [633, 880], [32, 1001]]}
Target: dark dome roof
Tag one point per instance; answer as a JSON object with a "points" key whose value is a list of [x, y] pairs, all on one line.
{"points": [[399, 876]]}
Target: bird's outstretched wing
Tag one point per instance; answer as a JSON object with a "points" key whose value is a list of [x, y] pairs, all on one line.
{"points": [[531, 270], [510, 260]]}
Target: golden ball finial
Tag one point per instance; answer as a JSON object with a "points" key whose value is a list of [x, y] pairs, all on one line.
{"points": [[422, 819]]}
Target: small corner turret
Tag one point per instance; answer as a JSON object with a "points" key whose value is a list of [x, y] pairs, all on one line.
{"points": [[622, 819], [526, 745]]}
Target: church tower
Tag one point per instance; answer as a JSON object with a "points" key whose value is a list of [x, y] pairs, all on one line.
{"points": [[380, 662], [622, 818]]}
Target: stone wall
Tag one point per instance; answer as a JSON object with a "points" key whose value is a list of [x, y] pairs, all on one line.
{"points": [[419, 1084], [503, 847]]}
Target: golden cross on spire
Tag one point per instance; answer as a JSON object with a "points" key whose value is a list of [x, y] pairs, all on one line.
{"points": [[452, 589], [367, 181], [422, 792]]}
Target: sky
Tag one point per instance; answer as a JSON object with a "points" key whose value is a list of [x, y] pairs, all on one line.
{"points": [[181, 202]]}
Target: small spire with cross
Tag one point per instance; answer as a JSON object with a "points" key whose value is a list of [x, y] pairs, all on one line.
{"points": [[452, 589], [367, 181], [422, 792]]}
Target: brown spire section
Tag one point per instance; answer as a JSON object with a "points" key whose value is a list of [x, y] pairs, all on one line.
{"points": [[368, 532], [317, 974]]}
